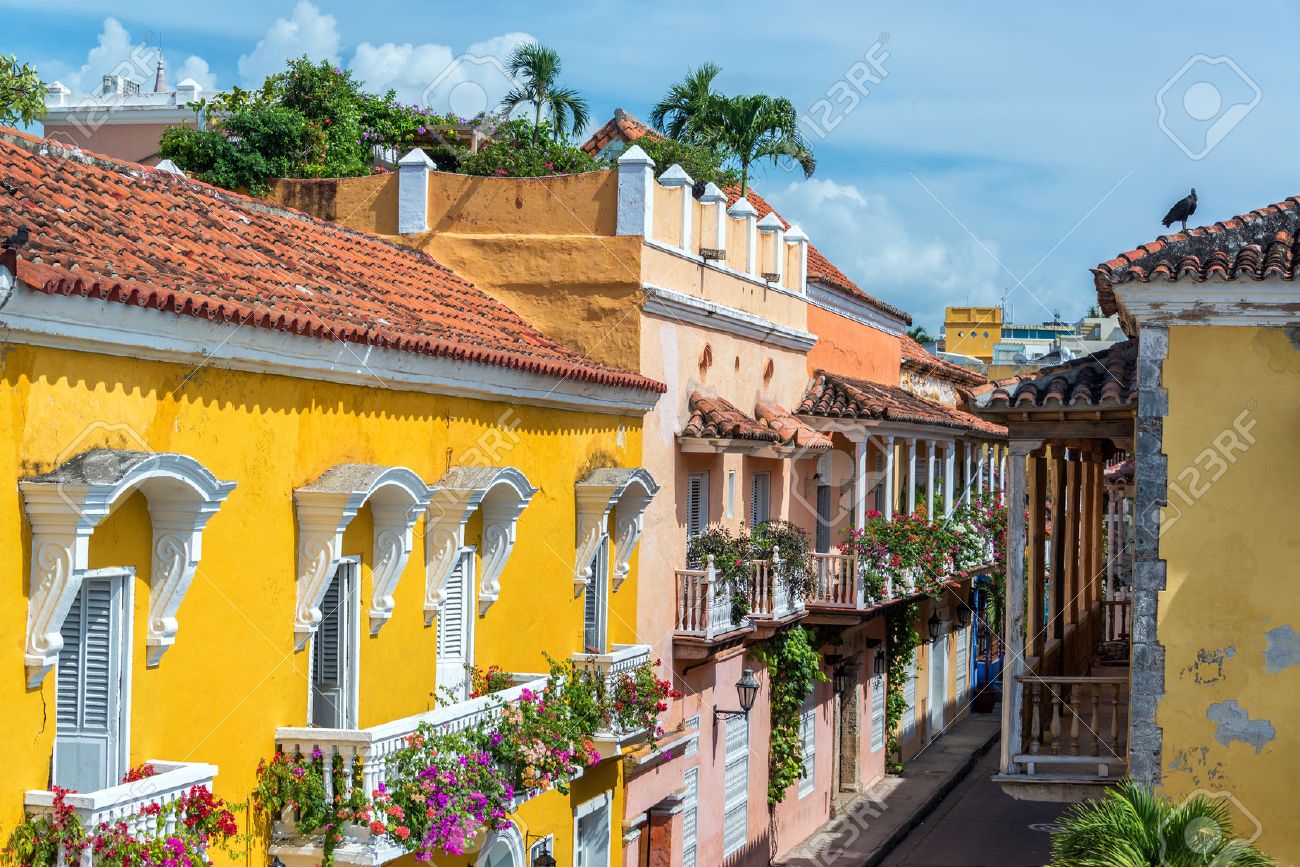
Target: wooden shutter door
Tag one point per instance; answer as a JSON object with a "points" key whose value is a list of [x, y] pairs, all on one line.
{"points": [[89, 688], [697, 504], [760, 499], [333, 649], [594, 601], [823, 518], [455, 620]]}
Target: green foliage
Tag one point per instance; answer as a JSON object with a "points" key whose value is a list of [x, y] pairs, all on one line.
{"points": [[732, 553], [251, 147], [22, 95], [703, 163], [539, 67], [793, 669], [796, 569], [679, 113], [1132, 827], [920, 335], [518, 152], [901, 641]]}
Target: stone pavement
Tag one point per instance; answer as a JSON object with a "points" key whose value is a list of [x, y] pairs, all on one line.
{"points": [[937, 813]]}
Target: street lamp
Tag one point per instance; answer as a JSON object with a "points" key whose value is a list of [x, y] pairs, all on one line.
{"points": [[544, 857], [747, 689], [964, 612], [936, 626], [842, 676], [878, 665]]}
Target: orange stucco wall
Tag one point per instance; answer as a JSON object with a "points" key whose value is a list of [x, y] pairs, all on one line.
{"points": [[851, 348]]}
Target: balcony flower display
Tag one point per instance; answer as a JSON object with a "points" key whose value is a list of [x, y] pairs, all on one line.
{"points": [[638, 698], [184, 833]]}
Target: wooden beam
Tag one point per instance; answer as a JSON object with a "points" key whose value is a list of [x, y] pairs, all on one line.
{"points": [[1057, 623], [1035, 628], [1013, 691]]}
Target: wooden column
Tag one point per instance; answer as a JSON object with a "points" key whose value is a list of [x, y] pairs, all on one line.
{"points": [[1057, 625], [1036, 629], [1098, 473], [1071, 541], [1013, 691]]}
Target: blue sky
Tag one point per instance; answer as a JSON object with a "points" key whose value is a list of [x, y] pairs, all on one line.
{"points": [[1006, 150]]}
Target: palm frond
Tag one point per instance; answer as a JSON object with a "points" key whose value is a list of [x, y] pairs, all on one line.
{"points": [[568, 109]]}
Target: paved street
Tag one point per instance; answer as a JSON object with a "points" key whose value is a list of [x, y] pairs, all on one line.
{"points": [[979, 826]]}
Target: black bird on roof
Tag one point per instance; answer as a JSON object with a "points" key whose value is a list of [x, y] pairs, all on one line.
{"points": [[1181, 211], [17, 239]]}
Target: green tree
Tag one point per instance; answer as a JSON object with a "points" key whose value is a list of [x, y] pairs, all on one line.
{"points": [[920, 335], [758, 127], [679, 114], [1132, 827], [701, 162], [22, 95], [540, 67]]}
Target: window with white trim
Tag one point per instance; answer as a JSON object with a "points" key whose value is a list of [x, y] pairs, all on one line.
{"points": [[595, 604], [92, 684], [909, 696], [760, 498], [877, 712], [693, 745], [735, 787], [731, 494], [591, 831], [456, 628], [335, 650], [697, 504], [808, 743], [690, 816], [962, 674]]}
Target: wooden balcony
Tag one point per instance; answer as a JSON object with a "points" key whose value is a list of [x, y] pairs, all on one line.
{"points": [[125, 802]]}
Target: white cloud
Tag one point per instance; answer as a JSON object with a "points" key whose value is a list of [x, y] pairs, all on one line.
{"points": [[117, 52], [870, 242], [437, 77], [308, 31]]}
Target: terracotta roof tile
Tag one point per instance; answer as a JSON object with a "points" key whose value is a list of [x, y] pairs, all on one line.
{"points": [[1100, 381], [622, 127], [137, 236], [833, 395], [916, 358], [714, 417], [1253, 246], [820, 268], [791, 430]]}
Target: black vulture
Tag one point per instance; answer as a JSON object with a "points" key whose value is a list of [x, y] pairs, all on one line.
{"points": [[17, 239], [1181, 211]]}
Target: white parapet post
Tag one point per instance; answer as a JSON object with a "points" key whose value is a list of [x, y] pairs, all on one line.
{"points": [[796, 235], [743, 210], [413, 192], [889, 477], [714, 196], [674, 178], [911, 475], [635, 193], [929, 479], [949, 477], [771, 224]]}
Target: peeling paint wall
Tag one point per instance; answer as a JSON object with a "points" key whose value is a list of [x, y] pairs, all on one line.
{"points": [[1228, 616]]}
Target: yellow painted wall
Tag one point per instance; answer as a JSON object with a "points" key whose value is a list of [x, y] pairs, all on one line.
{"points": [[233, 676], [965, 330], [1231, 558]]}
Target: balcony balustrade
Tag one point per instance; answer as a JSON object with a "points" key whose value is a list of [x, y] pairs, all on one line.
{"points": [[125, 802], [607, 669], [1076, 727], [704, 605]]}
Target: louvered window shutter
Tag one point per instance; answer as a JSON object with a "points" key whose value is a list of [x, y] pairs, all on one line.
{"points": [[760, 493], [735, 787], [877, 712], [328, 648], [593, 631], [808, 740], [909, 696], [962, 675], [690, 814], [697, 504], [89, 688], [455, 619]]}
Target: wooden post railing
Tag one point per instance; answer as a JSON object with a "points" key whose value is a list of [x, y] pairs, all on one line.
{"points": [[1074, 722]]}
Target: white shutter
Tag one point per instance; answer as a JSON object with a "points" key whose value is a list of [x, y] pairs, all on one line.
{"points": [[760, 499], [455, 623], [333, 650], [909, 696], [89, 687], [735, 787], [594, 601], [693, 745], [808, 741], [697, 504], [690, 816], [962, 674], [877, 712]]}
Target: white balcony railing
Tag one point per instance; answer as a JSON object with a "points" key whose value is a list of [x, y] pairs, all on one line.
{"points": [[607, 669], [837, 582], [125, 802], [704, 605], [341, 748], [771, 598]]}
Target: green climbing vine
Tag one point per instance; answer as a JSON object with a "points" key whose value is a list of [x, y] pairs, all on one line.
{"points": [[900, 650], [793, 669]]}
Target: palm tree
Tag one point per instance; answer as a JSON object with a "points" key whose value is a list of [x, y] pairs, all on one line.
{"points": [[1131, 827], [539, 67], [751, 128], [686, 103]]}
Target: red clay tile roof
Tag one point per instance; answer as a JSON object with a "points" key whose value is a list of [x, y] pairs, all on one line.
{"points": [[1104, 380], [622, 126], [1122, 472], [1254, 246], [134, 235], [820, 268], [833, 395], [916, 358], [792, 431], [714, 417]]}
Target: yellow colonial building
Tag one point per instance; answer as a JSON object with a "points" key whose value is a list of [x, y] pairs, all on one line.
{"points": [[274, 486]]}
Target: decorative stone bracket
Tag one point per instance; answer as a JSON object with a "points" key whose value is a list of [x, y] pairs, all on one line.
{"points": [[502, 493], [66, 505], [599, 493], [326, 508]]}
